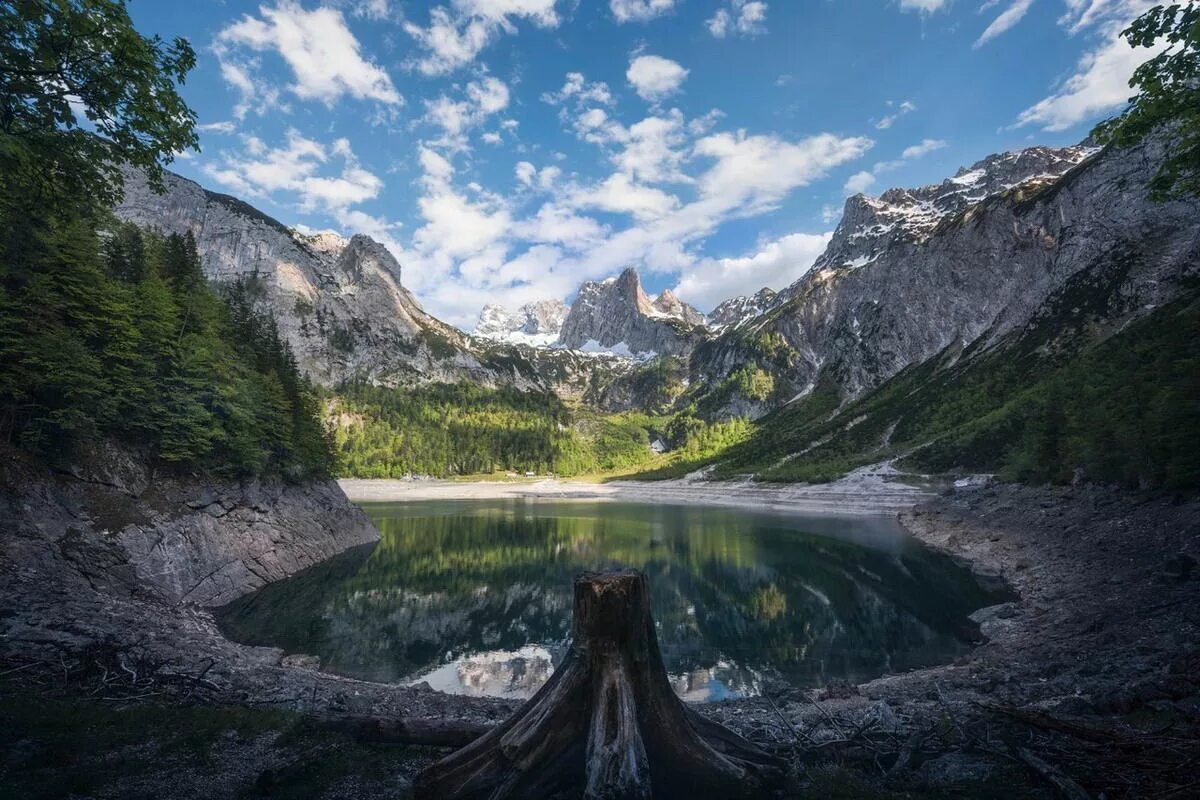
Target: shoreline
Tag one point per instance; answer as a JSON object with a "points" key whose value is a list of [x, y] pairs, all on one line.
{"points": [[869, 491], [1100, 635]]}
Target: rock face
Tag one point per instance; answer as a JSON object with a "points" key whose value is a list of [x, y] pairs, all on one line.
{"points": [[536, 324], [616, 315], [338, 302], [131, 533], [969, 260], [737, 310]]}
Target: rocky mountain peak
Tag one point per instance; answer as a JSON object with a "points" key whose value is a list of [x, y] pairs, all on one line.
{"points": [[667, 303], [618, 316], [737, 310], [536, 323], [871, 224]]}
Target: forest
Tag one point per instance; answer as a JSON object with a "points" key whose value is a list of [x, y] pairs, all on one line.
{"points": [[111, 332]]}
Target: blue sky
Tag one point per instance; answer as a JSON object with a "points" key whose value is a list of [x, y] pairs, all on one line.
{"points": [[506, 150]]}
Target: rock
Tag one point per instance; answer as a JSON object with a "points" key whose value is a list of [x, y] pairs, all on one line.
{"points": [[955, 266], [536, 323], [616, 315], [1179, 567], [737, 310], [955, 769], [301, 661]]}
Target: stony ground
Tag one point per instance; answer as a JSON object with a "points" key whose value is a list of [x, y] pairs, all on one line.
{"points": [[1088, 685]]}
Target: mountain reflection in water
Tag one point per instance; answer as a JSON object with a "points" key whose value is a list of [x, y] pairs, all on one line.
{"points": [[474, 597]]}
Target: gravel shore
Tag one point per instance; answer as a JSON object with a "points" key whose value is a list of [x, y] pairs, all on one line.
{"points": [[1089, 679]]}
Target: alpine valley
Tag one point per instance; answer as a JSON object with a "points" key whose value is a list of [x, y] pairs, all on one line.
{"points": [[1016, 271]]}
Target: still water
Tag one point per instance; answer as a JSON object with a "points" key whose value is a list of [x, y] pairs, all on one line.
{"points": [[474, 597]]}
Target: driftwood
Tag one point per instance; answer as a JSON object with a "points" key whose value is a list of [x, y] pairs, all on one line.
{"points": [[607, 723]]}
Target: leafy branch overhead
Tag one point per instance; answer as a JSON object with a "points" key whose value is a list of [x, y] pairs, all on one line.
{"points": [[82, 93], [1168, 94]]}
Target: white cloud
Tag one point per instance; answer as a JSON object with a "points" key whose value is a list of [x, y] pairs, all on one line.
{"points": [[655, 77], [923, 6], [483, 98], [640, 10], [654, 149], [454, 37], [776, 264], [224, 126], [1004, 21], [578, 88], [905, 107], [323, 54], [923, 148], [742, 17], [295, 169], [1100, 83], [619, 194], [757, 171], [859, 183]]}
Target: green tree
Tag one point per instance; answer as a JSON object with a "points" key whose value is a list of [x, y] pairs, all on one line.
{"points": [[82, 93], [1168, 94]]}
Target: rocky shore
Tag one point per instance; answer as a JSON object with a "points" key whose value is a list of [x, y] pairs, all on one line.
{"points": [[1088, 681]]}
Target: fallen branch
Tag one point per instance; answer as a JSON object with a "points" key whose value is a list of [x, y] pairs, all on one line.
{"points": [[401, 730], [1056, 777]]}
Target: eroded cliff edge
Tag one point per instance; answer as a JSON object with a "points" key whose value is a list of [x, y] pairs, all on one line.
{"points": [[115, 524]]}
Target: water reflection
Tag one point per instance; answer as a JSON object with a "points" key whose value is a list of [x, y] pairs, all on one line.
{"points": [[474, 597]]}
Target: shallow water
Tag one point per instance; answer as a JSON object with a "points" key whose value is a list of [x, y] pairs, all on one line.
{"points": [[474, 596]]}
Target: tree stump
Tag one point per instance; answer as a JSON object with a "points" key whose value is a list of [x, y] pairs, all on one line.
{"points": [[607, 724]]}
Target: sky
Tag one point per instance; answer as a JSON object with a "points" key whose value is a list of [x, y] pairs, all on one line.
{"points": [[507, 150]]}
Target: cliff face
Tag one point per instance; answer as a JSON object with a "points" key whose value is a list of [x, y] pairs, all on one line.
{"points": [[617, 315], [128, 532], [914, 271], [339, 302]]}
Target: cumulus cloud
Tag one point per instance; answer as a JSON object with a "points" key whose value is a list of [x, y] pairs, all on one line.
{"points": [[654, 77], [456, 35], [741, 17], [324, 56], [639, 10], [1100, 83], [859, 183], [775, 264], [577, 88], [297, 170], [481, 99]]}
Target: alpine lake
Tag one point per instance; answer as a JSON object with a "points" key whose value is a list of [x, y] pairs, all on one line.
{"points": [[474, 597]]}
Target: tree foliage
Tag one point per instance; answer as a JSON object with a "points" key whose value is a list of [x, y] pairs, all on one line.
{"points": [[120, 336], [82, 93], [464, 429], [1168, 94]]}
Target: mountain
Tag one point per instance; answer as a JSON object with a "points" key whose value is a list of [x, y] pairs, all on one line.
{"points": [[736, 310], [617, 315], [970, 259], [338, 302], [535, 324]]}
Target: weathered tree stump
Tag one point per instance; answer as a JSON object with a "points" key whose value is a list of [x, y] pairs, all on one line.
{"points": [[607, 724]]}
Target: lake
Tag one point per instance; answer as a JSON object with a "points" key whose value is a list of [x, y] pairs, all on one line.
{"points": [[474, 597]]}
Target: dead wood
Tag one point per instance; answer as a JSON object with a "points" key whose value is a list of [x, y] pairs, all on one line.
{"points": [[607, 723]]}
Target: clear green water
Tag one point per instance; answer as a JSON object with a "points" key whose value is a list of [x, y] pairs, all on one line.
{"points": [[474, 597]]}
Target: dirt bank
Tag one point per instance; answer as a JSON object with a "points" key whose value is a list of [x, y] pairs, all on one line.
{"points": [[1092, 677]]}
